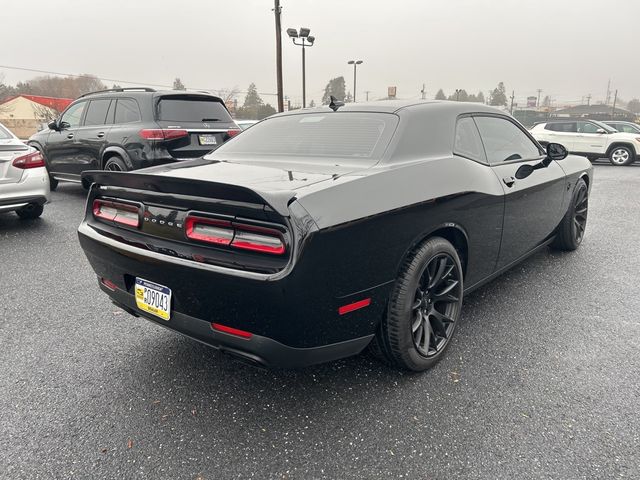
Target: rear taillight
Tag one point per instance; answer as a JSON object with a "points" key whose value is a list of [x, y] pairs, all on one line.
{"points": [[162, 133], [30, 160], [233, 132], [236, 235], [121, 213]]}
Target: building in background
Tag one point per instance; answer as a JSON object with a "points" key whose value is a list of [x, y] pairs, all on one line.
{"points": [[24, 114], [596, 112]]}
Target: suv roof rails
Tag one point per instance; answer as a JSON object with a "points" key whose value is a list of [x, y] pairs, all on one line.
{"points": [[121, 89]]}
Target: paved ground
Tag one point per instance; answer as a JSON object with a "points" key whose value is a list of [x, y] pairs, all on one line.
{"points": [[541, 380]]}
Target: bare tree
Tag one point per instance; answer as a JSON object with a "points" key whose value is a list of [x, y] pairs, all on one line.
{"points": [[45, 114], [228, 94]]}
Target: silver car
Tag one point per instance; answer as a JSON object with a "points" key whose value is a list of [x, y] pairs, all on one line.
{"points": [[24, 182]]}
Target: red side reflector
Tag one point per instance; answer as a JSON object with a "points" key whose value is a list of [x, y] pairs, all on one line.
{"points": [[162, 133], [231, 331], [31, 160], [354, 306], [109, 284]]}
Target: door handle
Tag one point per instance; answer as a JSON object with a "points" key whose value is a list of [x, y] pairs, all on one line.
{"points": [[509, 181], [70, 135], [101, 134]]}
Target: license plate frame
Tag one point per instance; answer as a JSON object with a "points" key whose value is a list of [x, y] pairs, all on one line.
{"points": [[207, 139], [153, 298]]}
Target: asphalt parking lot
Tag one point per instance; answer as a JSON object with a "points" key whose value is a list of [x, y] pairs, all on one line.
{"points": [[541, 380]]}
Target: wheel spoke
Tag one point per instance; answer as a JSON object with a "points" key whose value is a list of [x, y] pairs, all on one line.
{"points": [[437, 276], [453, 284], [437, 325], [442, 317], [417, 322]]}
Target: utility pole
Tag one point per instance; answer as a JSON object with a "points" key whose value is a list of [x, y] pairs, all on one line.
{"points": [[277, 10], [513, 94], [588, 100], [423, 92], [613, 111], [367, 92], [539, 92], [608, 92]]}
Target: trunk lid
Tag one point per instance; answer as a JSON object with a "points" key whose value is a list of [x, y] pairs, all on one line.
{"points": [[9, 151]]}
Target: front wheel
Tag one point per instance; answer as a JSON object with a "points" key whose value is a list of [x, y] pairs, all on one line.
{"points": [[571, 230], [620, 156], [424, 307]]}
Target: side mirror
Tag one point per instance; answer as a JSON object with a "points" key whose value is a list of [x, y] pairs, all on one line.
{"points": [[63, 125], [555, 151], [53, 125], [601, 130], [524, 171]]}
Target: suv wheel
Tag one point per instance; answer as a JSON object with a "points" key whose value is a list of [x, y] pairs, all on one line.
{"points": [[30, 212], [620, 156], [115, 164]]}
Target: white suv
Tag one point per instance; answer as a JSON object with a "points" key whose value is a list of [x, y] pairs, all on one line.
{"points": [[590, 138]]}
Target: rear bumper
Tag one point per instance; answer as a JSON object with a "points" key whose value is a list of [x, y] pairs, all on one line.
{"points": [[33, 187], [257, 349]]}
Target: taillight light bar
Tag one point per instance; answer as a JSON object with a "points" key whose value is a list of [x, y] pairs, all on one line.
{"points": [[163, 133], [232, 132], [117, 212], [236, 235], [30, 160]]}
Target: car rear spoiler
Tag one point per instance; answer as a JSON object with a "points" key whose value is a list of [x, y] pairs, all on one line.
{"points": [[278, 201]]}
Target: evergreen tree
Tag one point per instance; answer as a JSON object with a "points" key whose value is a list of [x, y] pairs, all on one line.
{"points": [[336, 87], [440, 95], [178, 85], [498, 96]]}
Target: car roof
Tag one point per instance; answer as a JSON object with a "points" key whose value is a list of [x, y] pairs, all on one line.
{"points": [[141, 92]]}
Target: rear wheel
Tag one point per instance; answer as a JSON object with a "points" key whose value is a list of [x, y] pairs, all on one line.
{"points": [[571, 230], [620, 156], [424, 307], [115, 164], [31, 211]]}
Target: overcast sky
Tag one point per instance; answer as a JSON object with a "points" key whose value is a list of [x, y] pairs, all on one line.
{"points": [[567, 48]]}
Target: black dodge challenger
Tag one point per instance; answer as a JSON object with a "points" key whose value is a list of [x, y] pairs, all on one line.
{"points": [[318, 233]]}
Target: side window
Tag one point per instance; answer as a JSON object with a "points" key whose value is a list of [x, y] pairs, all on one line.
{"points": [[127, 111], [504, 141], [587, 127], [468, 143], [566, 127], [627, 128], [73, 115], [96, 112]]}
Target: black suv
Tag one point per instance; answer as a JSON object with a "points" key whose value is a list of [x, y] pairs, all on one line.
{"points": [[129, 128]]}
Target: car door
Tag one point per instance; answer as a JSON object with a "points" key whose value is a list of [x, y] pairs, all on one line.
{"points": [[590, 138], [533, 197], [91, 137], [62, 147], [563, 133]]}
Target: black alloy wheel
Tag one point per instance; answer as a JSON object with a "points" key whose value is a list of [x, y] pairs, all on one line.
{"points": [[571, 230], [437, 293], [115, 164], [424, 307]]}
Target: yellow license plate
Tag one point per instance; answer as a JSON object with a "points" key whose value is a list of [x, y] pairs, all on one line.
{"points": [[153, 298]]}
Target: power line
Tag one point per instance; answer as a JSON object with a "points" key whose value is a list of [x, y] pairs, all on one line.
{"points": [[104, 79]]}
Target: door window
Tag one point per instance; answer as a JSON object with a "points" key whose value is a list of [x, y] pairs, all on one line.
{"points": [[628, 128], [73, 115], [587, 127], [504, 141], [468, 143], [127, 111], [567, 127], [96, 112]]}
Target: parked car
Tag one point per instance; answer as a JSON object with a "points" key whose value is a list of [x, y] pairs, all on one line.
{"points": [[590, 138], [125, 129], [244, 124], [626, 127], [317, 233], [24, 183]]}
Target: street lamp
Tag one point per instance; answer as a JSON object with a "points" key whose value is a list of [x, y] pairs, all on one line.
{"points": [[355, 63], [306, 40]]}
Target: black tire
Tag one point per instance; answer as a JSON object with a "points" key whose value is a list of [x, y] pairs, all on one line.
{"points": [[115, 164], [571, 230], [30, 212], [424, 307], [620, 156]]}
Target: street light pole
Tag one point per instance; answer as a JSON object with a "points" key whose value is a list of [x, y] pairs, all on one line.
{"points": [[355, 63], [277, 10], [303, 35]]}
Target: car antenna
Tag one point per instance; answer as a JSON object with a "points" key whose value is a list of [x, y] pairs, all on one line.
{"points": [[335, 103]]}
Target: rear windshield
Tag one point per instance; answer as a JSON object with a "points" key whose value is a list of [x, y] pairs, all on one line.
{"points": [[316, 137], [192, 109], [4, 134]]}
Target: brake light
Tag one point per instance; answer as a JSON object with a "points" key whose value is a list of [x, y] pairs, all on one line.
{"points": [[162, 133], [109, 284], [30, 160], [121, 213], [236, 235], [233, 132], [231, 330]]}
